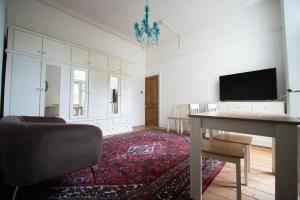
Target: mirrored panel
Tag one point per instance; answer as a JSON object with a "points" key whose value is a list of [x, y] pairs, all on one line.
{"points": [[79, 92], [52, 91], [114, 94]]}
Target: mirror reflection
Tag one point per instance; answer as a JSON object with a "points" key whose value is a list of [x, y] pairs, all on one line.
{"points": [[79, 92], [52, 91], [114, 90]]}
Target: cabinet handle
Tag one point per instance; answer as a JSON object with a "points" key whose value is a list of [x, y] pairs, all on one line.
{"points": [[37, 89], [42, 89], [39, 52]]}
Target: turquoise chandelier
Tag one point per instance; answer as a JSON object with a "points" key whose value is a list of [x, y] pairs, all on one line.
{"points": [[145, 34]]}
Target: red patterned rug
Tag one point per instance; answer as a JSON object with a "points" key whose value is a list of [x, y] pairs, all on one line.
{"points": [[150, 164]]}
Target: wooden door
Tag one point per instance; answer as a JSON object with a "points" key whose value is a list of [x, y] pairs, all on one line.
{"points": [[152, 101]]}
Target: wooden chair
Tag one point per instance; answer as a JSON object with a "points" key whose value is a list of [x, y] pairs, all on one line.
{"points": [[184, 117], [229, 152], [226, 151], [243, 140], [194, 109], [176, 117]]}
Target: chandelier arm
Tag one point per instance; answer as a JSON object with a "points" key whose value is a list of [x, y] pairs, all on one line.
{"points": [[147, 34]]}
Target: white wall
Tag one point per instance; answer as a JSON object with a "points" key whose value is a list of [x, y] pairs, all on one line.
{"points": [[35, 16], [2, 30], [291, 21], [247, 40]]}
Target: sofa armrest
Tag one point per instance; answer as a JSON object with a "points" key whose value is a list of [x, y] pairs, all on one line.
{"points": [[33, 152]]}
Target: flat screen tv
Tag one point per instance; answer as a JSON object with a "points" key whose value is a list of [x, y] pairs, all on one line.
{"points": [[255, 85]]}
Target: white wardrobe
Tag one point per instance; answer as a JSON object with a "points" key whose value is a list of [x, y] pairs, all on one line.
{"points": [[49, 77]]}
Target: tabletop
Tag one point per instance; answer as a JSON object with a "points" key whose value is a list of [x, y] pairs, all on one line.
{"points": [[271, 118]]}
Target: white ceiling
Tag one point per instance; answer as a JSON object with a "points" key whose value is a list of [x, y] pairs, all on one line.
{"points": [[118, 16]]}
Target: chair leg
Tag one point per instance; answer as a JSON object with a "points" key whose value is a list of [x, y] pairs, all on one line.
{"points": [[15, 193], [168, 126], [246, 164], [238, 180], [211, 135], [181, 126], [93, 173]]}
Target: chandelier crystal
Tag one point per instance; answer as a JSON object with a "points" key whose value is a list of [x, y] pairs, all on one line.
{"points": [[144, 33]]}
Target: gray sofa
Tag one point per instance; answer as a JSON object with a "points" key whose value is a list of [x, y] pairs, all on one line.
{"points": [[35, 149]]}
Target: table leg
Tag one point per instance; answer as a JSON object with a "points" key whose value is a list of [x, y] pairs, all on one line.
{"points": [[273, 155], [286, 174], [196, 158]]}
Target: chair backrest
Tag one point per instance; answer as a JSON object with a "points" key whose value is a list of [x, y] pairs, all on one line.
{"points": [[181, 110], [212, 107], [194, 108]]}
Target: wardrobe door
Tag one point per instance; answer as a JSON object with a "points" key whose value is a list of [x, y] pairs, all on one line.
{"points": [[114, 64], [79, 92], [126, 68], [99, 61], [98, 81], [80, 56], [56, 50], [126, 95], [25, 86], [114, 94], [27, 42]]}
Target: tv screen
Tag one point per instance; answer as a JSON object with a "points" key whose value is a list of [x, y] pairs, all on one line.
{"points": [[256, 85]]}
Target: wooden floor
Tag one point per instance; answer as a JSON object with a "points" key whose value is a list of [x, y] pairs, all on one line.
{"points": [[261, 182]]}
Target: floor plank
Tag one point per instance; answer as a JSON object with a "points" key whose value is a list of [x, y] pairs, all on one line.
{"points": [[261, 182]]}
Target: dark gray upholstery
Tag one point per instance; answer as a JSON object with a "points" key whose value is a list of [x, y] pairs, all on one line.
{"points": [[34, 149]]}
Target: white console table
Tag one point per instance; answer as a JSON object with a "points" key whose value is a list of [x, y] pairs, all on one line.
{"points": [[281, 127]]}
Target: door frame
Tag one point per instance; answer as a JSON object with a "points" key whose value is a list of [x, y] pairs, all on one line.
{"points": [[159, 74]]}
